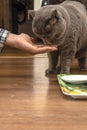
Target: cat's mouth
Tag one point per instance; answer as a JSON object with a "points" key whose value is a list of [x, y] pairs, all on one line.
{"points": [[50, 43]]}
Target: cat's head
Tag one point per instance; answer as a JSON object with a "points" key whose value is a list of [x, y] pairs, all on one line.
{"points": [[48, 24]]}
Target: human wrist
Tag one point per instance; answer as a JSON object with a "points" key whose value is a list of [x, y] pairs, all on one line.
{"points": [[3, 35]]}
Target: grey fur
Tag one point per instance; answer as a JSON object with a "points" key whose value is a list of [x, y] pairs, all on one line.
{"points": [[64, 25]]}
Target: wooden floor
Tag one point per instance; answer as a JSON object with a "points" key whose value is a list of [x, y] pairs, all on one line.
{"points": [[31, 101]]}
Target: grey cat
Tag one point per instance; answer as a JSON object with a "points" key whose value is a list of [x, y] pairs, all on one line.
{"points": [[64, 25]]}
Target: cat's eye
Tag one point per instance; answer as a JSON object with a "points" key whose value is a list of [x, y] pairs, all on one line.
{"points": [[53, 21]]}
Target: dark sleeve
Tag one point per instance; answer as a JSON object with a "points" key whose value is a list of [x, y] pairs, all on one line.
{"points": [[3, 35]]}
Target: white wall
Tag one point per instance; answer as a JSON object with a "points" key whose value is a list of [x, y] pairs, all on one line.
{"points": [[37, 4]]}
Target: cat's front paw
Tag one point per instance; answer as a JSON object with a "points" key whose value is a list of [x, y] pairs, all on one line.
{"points": [[58, 69], [49, 71], [53, 71]]}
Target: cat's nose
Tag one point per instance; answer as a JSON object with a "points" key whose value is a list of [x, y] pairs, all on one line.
{"points": [[37, 32]]}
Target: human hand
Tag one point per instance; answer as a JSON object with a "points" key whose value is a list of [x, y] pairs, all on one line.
{"points": [[45, 48], [26, 43]]}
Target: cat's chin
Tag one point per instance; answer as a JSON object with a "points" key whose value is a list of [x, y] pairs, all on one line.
{"points": [[46, 42], [50, 43]]}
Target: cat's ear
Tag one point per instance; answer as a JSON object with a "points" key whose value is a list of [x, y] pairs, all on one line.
{"points": [[54, 13], [31, 14], [54, 17]]}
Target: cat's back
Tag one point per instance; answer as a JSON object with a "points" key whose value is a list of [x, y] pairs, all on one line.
{"points": [[77, 14], [75, 5]]}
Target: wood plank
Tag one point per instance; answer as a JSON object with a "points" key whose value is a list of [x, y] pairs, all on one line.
{"points": [[1, 16], [31, 101], [7, 14]]}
